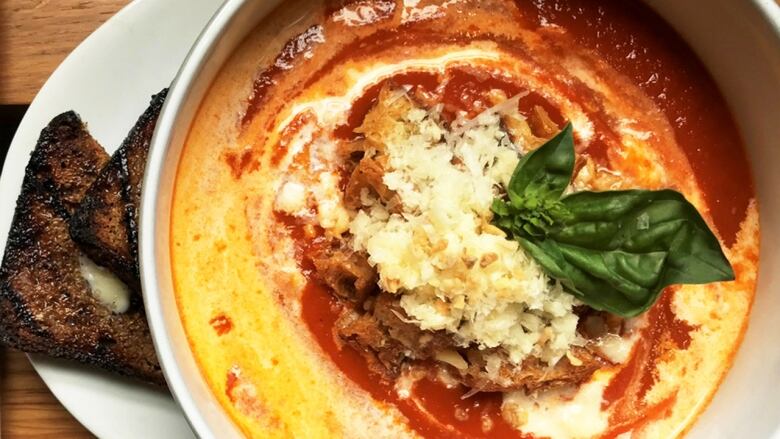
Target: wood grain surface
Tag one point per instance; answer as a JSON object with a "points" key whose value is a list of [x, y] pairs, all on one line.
{"points": [[36, 35], [29, 410]]}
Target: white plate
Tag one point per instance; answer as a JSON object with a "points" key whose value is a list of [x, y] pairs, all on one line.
{"points": [[108, 80]]}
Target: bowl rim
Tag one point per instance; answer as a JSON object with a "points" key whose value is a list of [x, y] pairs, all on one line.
{"points": [[149, 267], [149, 215]]}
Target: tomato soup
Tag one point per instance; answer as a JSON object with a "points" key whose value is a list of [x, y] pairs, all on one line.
{"points": [[263, 326]]}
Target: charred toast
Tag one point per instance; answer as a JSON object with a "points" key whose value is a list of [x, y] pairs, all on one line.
{"points": [[46, 304], [105, 224]]}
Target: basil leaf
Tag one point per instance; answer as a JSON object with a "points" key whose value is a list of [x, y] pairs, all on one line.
{"points": [[615, 250], [545, 172], [593, 291], [639, 221]]}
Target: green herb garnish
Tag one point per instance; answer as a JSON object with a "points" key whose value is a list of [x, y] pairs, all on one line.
{"points": [[614, 250]]}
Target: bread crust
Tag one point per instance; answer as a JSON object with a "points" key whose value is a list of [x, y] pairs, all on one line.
{"points": [[46, 306], [105, 225]]}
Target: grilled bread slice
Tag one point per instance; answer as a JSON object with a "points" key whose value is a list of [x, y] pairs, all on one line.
{"points": [[105, 224], [46, 305]]}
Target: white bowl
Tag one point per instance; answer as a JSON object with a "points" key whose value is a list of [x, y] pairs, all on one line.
{"points": [[738, 40]]}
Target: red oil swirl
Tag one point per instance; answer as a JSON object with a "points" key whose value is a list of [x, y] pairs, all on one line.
{"points": [[221, 323], [625, 394], [432, 409], [636, 42], [240, 162]]}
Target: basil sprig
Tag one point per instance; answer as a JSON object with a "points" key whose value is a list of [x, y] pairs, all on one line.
{"points": [[614, 250]]}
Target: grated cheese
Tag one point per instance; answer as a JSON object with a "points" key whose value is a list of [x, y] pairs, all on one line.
{"points": [[453, 270]]}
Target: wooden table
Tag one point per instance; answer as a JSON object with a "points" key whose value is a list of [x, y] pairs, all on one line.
{"points": [[35, 36]]}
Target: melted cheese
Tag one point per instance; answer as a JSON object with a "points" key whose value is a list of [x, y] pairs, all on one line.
{"points": [[105, 286], [616, 349], [560, 413]]}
